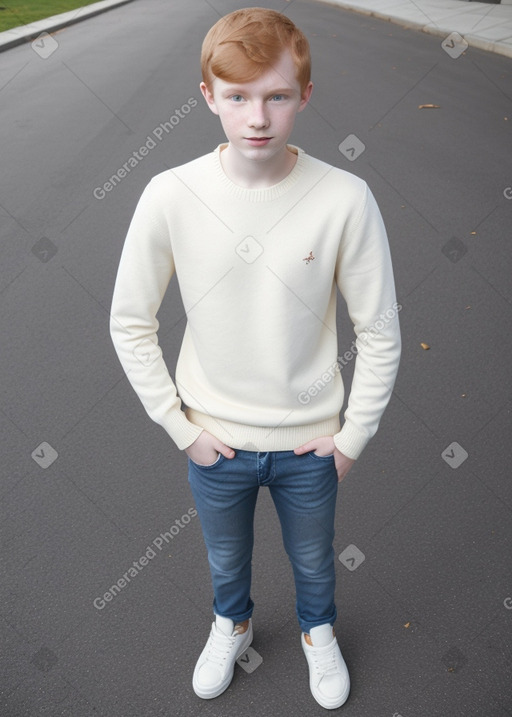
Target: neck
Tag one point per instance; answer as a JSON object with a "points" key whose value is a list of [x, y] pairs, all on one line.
{"points": [[253, 174]]}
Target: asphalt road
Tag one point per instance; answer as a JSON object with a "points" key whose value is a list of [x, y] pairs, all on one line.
{"points": [[90, 485]]}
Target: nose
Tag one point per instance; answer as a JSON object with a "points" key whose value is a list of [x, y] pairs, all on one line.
{"points": [[258, 117]]}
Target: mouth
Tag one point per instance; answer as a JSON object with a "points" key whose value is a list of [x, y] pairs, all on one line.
{"points": [[258, 141]]}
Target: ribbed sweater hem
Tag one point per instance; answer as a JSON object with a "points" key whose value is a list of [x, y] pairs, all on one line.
{"points": [[262, 438]]}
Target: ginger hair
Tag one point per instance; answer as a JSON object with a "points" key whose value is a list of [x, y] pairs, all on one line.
{"points": [[244, 44]]}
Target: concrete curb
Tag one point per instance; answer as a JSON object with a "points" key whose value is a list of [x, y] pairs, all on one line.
{"points": [[473, 40], [26, 33]]}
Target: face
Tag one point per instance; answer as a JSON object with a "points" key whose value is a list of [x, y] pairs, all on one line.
{"points": [[258, 116]]}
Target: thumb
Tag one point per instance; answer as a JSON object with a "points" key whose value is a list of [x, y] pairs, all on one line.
{"points": [[226, 451], [305, 448]]}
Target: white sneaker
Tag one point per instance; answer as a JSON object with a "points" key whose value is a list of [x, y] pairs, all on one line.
{"points": [[216, 665], [329, 680]]}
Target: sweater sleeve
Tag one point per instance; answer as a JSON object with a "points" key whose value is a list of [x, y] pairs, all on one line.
{"points": [[145, 269], [364, 277]]}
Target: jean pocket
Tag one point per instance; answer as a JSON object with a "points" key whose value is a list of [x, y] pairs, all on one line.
{"points": [[209, 465], [314, 455]]}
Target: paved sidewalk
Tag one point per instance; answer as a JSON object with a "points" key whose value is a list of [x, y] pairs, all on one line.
{"points": [[26, 33], [462, 24]]}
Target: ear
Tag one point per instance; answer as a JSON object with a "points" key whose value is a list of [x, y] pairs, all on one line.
{"points": [[305, 97], [210, 101]]}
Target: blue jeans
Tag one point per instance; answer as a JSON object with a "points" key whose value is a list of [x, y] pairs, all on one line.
{"points": [[304, 490]]}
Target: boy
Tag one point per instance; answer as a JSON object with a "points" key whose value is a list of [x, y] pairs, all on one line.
{"points": [[260, 236]]}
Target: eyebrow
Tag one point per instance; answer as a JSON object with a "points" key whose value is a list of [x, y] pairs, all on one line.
{"points": [[235, 90]]}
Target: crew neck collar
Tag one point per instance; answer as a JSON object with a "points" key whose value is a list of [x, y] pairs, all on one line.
{"points": [[266, 193]]}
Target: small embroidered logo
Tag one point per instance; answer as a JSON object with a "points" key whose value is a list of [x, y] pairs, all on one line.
{"points": [[309, 258]]}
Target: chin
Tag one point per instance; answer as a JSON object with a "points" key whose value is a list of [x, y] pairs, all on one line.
{"points": [[265, 152]]}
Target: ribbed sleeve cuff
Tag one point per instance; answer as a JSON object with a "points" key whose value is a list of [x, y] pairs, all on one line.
{"points": [[180, 429], [351, 441]]}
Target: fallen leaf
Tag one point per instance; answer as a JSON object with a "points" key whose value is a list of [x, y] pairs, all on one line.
{"points": [[407, 624], [424, 346], [429, 107]]}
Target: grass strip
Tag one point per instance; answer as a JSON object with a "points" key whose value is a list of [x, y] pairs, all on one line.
{"points": [[25, 13]]}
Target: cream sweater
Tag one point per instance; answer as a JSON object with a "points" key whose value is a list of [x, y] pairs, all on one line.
{"points": [[258, 271]]}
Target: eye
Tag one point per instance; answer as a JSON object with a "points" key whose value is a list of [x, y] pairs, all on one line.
{"points": [[278, 98], [236, 98]]}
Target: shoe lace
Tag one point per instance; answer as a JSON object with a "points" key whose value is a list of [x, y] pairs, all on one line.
{"points": [[219, 647], [325, 662]]}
